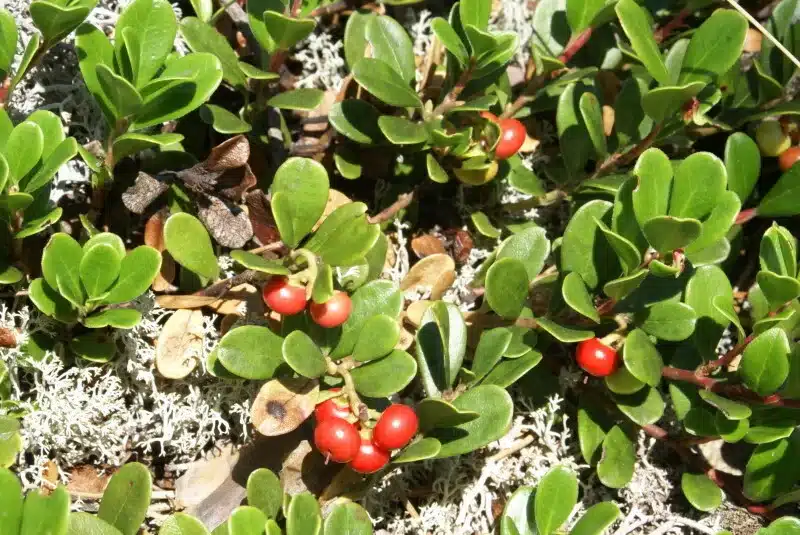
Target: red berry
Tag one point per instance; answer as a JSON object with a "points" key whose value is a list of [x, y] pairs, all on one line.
{"points": [[596, 358], [370, 458], [489, 116], [788, 158], [337, 440], [332, 312], [332, 408], [284, 298], [512, 137], [396, 427]]}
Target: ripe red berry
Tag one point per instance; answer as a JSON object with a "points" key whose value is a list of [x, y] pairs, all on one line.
{"points": [[788, 158], [370, 458], [332, 408], [332, 312], [512, 137], [337, 440], [396, 427], [283, 297], [596, 358]]}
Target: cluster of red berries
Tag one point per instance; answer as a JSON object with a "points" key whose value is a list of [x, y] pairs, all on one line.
{"points": [[596, 358], [288, 299], [339, 440], [512, 135]]}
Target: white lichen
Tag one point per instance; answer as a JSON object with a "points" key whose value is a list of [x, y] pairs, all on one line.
{"points": [[322, 59]]}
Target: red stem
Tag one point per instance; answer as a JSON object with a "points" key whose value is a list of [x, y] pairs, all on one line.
{"points": [[736, 392], [575, 45], [726, 359], [744, 216], [677, 21]]}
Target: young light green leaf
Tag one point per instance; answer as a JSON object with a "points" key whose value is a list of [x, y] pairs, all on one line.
{"points": [[99, 269], [392, 45], [123, 97], [8, 41], [119, 318], [61, 261], [450, 39], [715, 46], [637, 27], [348, 518], [137, 272], [592, 115], [668, 233], [618, 459], [303, 515], [187, 240], [180, 524], [518, 516], [742, 163], [46, 513], [23, 150], [303, 99], [556, 496], [580, 13], [596, 519], [401, 131], [265, 492], [692, 198], [491, 348], [126, 499], [146, 32], [203, 37], [61, 154], [299, 194]]}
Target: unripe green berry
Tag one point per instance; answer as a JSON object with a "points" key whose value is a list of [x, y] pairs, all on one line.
{"points": [[771, 138]]}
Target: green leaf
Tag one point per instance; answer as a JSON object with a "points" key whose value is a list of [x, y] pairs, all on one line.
{"points": [[27, 57], [450, 39], [94, 48], [731, 409], [303, 516], [61, 261], [123, 97], [556, 496], [530, 246], [356, 120], [628, 253], [441, 344], [299, 194], [50, 302], [222, 120], [95, 346], [87, 524], [786, 525], [287, 31], [590, 432], [654, 183], [355, 36], [575, 294], [401, 131], [345, 236], [203, 37], [10, 441], [491, 347], [42, 514], [509, 371], [251, 352], [484, 225], [507, 287], [642, 358], [427, 448], [593, 118], [187, 240], [669, 321], [436, 412], [702, 493], [56, 21], [137, 271], [378, 336], [180, 524], [265, 492], [255, 73], [475, 12], [126, 498], [10, 499], [518, 515], [348, 519], [778, 289], [772, 469], [573, 135], [378, 78], [8, 42], [584, 250], [714, 48], [259, 263], [783, 198], [644, 407], [580, 13], [132, 143], [376, 297], [64, 152], [637, 27], [742, 163], [246, 520], [765, 362], [120, 318], [495, 408], [322, 290], [23, 150], [392, 45], [185, 84], [692, 198], [596, 519], [302, 354], [99, 269], [385, 376], [717, 225], [623, 382], [435, 171], [615, 468], [304, 99], [668, 233], [662, 103], [146, 32], [706, 284], [52, 130], [563, 334]]}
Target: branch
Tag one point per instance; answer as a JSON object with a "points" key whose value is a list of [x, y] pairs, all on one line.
{"points": [[677, 21], [726, 359], [452, 97], [575, 45], [624, 158], [222, 287], [389, 212]]}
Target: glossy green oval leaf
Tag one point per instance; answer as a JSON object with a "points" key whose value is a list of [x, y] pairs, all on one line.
{"points": [[287, 31], [693, 198], [702, 493], [509, 371], [303, 99], [491, 347], [61, 261], [715, 46], [264, 491], [668, 233], [120, 318], [385, 376], [629, 257], [563, 334], [556, 496], [518, 514], [765, 362], [706, 284], [669, 321], [427, 448], [507, 287], [180, 524], [374, 298], [436, 412], [732, 410], [783, 198], [641, 358], [355, 36], [345, 236], [742, 163], [299, 194], [132, 143], [204, 37], [149, 28], [772, 469], [441, 344], [10, 443], [584, 250], [623, 382], [596, 519], [450, 39], [126, 498], [302, 354], [187, 240], [357, 120], [529, 246], [576, 295], [401, 131], [616, 465], [392, 45], [636, 24], [86, 524], [123, 97], [50, 302], [99, 269], [23, 150], [47, 513], [10, 500], [644, 407], [259, 263], [8, 42], [250, 351], [348, 519], [589, 106], [246, 520], [137, 272], [222, 120], [661, 103], [378, 78], [303, 515], [377, 338]]}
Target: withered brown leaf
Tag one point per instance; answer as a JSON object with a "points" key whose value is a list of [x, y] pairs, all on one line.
{"points": [[228, 224], [283, 404]]}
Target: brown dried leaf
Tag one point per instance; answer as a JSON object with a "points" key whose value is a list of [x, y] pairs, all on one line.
{"points": [[752, 41], [283, 404], [462, 246], [8, 338], [163, 281], [144, 191], [406, 339], [416, 310], [234, 184], [228, 155], [232, 302], [435, 272], [86, 479], [180, 344], [205, 476], [427, 245], [229, 225], [531, 144], [608, 119], [335, 200], [154, 231], [184, 301], [264, 227], [292, 473]]}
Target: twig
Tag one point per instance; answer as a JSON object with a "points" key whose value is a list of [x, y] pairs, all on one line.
{"points": [[451, 98], [403, 200], [513, 448], [726, 359], [764, 31], [575, 45], [222, 287], [278, 245], [242, 23], [623, 158], [677, 21]]}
